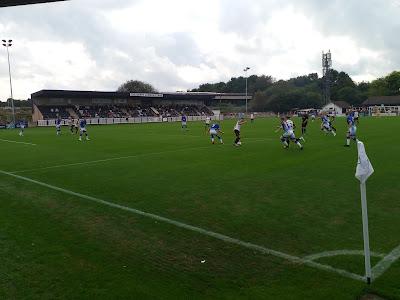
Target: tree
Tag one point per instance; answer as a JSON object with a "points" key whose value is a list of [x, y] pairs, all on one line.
{"points": [[393, 82], [350, 95], [136, 86], [238, 85], [339, 81], [211, 87], [259, 83], [385, 86], [304, 91], [17, 103]]}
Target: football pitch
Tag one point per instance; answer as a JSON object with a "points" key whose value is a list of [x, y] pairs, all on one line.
{"points": [[148, 211]]}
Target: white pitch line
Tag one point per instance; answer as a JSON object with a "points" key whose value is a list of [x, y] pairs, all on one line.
{"points": [[205, 232], [385, 263], [112, 158], [16, 142], [107, 159], [340, 252]]}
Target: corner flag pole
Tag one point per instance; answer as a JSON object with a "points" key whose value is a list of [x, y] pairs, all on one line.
{"points": [[367, 255], [363, 171]]}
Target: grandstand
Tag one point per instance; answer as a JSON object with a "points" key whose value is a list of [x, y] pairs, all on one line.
{"points": [[383, 105], [50, 104]]}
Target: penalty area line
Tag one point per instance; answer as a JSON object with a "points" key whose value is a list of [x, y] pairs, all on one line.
{"points": [[16, 142], [382, 266], [219, 236], [340, 252]]}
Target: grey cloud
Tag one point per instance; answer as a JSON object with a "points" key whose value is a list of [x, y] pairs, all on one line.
{"points": [[179, 47], [242, 16], [84, 22], [371, 24]]}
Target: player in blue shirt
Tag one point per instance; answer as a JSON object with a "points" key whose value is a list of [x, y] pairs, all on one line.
{"points": [[350, 118], [327, 125], [352, 129], [215, 131], [184, 122], [82, 126], [58, 126]]}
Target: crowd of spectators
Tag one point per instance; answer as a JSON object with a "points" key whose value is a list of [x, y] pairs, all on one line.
{"points": [[107, 111], [52, 112], [113, 111]]}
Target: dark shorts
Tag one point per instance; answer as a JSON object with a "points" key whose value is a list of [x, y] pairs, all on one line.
{"points": [[237, 132]]}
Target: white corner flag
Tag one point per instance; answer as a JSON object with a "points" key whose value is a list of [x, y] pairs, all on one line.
{"points": [[363, 171], [364, 167]]}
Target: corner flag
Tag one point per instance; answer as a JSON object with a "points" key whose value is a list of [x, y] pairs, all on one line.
{"points": [[364, 167], [363, 171]]}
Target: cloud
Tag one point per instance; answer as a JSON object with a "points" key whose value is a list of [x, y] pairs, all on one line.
{"points": [[178, 44]]}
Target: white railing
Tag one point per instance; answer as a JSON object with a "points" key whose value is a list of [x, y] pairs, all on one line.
{"points": [[136, 120]]}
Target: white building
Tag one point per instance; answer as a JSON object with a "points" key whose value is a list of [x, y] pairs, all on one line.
{"points": [[337, 108]]}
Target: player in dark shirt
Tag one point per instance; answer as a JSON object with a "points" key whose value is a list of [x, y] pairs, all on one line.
{"points": [[304, 123], [184, 122]]}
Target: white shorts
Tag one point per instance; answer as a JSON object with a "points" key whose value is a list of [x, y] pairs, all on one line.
{"points": [[327, 126], [213, 132], [289, 134], [183, 123], [352, 131], [58, 127], [83, 129]]}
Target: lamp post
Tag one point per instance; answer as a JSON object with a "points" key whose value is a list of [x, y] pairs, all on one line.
{"points": [[7, 44], [245, 70]]}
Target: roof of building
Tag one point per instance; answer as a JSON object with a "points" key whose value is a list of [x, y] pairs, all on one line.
{"points": [[385, 100], [342, 104], [119, 95]]}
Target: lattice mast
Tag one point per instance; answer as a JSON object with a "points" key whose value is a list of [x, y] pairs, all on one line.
{"points": [[326, 73]]}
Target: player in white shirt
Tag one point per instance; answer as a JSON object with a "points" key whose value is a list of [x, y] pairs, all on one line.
{"points": [[292, 126], [236, 130], [207, 124], [76, 121], [290, 123], [288, 133], [21, 128], [252, 117], [356, 120], [71, 124]]}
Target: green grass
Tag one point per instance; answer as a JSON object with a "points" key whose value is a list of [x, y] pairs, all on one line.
{"points": [[54, 245]]}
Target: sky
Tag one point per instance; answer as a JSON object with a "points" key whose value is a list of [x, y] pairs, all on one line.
{"points": [[179, 44]]}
